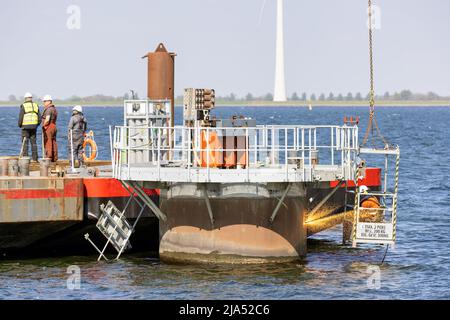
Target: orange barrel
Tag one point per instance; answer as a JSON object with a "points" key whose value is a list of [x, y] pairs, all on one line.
{"points": [[230, 153], [213, 144], [241, 145]]}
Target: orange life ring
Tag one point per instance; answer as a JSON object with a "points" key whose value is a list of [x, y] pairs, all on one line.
{"points": [[89, 141]]}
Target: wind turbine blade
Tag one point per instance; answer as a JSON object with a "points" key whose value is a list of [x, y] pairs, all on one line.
{"points": [[261, 12]]}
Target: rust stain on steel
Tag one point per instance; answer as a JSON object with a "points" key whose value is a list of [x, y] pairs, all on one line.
{"points": [[161, 76], [241, 228], [242, 239], [43, 203], [65, 163]]}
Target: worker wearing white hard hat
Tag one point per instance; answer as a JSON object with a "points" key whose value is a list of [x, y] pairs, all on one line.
{"points": [[76, 132], [78, 109], [28, 122], [49, 117], [47, 97], [363, 189]]}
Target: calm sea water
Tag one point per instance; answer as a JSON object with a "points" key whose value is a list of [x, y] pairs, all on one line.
{"points": [[419, 268]]}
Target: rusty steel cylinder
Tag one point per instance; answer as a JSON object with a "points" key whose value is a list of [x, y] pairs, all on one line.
{"points": [[161, 76]]}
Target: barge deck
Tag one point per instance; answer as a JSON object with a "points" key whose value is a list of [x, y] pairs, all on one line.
{"points": [[52, 214]]}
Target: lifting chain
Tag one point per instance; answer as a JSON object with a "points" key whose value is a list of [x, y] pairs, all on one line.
{"points": [[373, 125], [372, 87]]}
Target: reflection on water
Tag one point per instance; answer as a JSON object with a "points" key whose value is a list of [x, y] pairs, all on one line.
{"points": [[330, 271], [419, 268]]}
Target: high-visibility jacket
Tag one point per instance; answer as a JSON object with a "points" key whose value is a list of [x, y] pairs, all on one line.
{"points": [[31, 114]]}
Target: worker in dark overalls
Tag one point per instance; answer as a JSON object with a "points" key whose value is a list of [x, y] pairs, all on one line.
{"points": [[76, 133], [29, 121]]}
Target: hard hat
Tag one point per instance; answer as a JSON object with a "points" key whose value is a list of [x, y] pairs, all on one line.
{"points": [[78, 109], [363, 189], [47, 97], [28, 95]]}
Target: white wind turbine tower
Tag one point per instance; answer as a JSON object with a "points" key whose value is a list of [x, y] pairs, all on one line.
{"points": [[280, 83]]}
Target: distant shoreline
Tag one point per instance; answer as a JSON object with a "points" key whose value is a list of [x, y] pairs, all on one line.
{"points": [[240, 104]]}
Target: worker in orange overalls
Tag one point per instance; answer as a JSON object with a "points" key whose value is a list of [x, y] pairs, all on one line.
{"points": [[368, 201], [368, 204], [49, 117]]}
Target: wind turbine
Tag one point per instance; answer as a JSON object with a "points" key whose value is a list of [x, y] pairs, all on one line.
{"points": [[280, 81], [279, 93]]}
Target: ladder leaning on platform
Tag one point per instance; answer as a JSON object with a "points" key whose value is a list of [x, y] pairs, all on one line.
{"points": [[115, 227]]}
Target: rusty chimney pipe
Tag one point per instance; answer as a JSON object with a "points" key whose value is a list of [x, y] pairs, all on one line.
{"points": [[161, 77]]}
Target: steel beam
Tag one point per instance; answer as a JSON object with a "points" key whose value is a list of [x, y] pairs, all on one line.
{"points": [[280, 202], [147, 200], [208, 205]]}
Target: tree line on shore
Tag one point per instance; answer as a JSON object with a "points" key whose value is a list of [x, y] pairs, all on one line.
{"points": [[86, 99], [404, 95]]}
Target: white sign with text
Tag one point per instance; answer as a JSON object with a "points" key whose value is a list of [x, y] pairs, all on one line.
{"points": [[375, 231]]}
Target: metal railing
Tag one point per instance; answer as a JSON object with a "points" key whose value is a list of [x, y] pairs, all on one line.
{"points": [[288, 153]]}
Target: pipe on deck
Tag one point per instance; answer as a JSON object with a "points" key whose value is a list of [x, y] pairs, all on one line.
{"points": [[322, 224]]}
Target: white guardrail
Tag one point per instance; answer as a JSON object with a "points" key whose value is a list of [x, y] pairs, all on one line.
{"points": [[238, 154]]}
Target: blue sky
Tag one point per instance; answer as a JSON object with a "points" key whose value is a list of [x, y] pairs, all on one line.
{"points": [[226, 45]]}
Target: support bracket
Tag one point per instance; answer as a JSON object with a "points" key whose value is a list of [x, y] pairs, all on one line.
{"points": [[208, 205], [146, 199], [280, 202]]}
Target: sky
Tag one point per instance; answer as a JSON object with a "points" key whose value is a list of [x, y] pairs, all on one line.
{"points": [[228, 45]]}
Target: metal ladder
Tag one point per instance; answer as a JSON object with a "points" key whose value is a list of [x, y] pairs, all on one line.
{"points": [[115, 227], [380, 232]]}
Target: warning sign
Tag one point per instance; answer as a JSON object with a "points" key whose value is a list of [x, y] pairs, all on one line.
{"points": [[374, 231]]}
